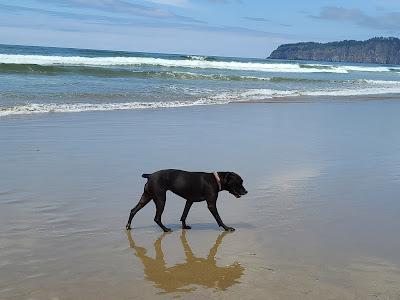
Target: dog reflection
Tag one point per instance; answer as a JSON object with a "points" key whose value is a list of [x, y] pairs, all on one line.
{"points": [[195, 271]]}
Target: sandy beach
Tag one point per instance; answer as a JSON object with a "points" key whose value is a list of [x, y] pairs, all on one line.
{"points": [[320, 220]]}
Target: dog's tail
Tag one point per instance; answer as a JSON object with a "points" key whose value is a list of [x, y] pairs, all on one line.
{"points": [[146, 175]]}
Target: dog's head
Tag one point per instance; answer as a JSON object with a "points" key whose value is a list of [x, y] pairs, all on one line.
{"points": [[233, 183]]}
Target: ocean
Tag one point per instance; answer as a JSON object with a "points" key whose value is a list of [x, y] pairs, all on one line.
{"points": [[41, 80]]}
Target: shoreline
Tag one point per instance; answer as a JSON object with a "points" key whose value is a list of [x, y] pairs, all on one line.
{"points": [[108, 107]]}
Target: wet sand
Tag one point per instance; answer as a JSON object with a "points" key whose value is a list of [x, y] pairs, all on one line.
{"points": [[320, 220]]}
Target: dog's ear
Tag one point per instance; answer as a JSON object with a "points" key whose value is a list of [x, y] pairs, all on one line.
{"points": [[228, 177]]}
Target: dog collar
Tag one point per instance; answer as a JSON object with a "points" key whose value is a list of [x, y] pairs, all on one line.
{"points": [[218, 180]]}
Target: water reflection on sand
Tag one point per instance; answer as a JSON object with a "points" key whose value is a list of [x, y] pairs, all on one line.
{"points": [[320, 220], [195, 271]]}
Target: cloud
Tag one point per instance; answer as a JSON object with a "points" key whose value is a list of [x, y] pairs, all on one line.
{"points": [[125, 8], [56, 17], [257, 19], [171, 2], [388, 21], [117, 6], [264, 20], [224, 1], [12, 16]]}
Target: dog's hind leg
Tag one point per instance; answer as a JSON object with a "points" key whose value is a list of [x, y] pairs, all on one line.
{"points": [[185, 213], [146, 197], [159, 200]]}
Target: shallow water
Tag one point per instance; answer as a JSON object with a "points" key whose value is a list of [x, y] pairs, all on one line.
{"points": [[320, 219]]}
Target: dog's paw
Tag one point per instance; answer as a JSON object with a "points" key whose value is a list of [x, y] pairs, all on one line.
{"points": [[167, 230], [229, 229], [128, 227], [186, 227]]}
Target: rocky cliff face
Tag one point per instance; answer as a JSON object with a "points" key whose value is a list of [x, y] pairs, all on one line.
{"points": [[376, 50]]}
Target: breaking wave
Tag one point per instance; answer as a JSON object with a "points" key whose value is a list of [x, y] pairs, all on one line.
{"points": [[249, 95], [194, 62]]}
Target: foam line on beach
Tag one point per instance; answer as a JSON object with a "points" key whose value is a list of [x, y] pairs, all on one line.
{"points": [[37, 108], [250, 95], [254, 95]]}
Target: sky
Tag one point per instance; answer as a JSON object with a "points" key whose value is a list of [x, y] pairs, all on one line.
{"points": [[241, 28]]}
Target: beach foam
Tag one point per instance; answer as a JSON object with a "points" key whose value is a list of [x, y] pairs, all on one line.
{"points": [[249, 95], [37, 108]]}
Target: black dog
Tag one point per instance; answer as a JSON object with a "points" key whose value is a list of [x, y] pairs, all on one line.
{"points": [[192, 186]]}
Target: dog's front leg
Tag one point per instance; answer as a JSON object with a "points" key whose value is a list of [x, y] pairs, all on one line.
{"points": [[213, 209]]}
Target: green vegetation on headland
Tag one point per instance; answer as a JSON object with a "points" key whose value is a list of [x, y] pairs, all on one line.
{"points": [[380, 50]]}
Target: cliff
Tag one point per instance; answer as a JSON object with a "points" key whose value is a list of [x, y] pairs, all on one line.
{"points": [[378, 50]]}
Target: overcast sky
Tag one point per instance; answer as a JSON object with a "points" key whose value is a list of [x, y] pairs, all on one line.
{"points": [[248, 28]]}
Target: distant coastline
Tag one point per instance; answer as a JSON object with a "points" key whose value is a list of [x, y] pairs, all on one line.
{"points": [[378, 50]]}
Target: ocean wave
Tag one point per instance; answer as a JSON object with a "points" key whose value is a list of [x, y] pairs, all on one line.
{"points": [[40, 108], [249, 95], [316, 66], [198, 57], [114, 72], [120, 72], [357, 87], [265, 94], [383, 83], [369, 69], [349, 68], [189, 61], [131, 61]]}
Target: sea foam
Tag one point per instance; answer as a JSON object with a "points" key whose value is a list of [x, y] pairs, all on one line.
{"points": [[249, 95], [38, 108]]}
